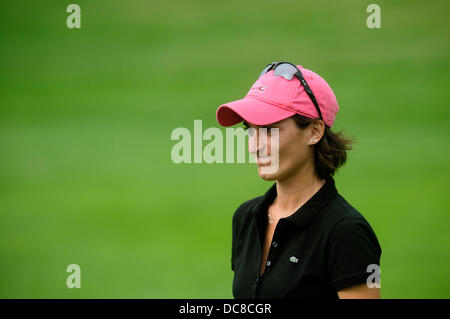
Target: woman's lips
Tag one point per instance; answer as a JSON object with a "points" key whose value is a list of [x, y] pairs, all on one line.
{"points": [[262, 161]]}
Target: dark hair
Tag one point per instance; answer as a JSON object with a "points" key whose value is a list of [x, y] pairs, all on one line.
{"points": [[330, 152]]}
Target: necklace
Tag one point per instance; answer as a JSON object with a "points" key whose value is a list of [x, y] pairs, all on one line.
{"points": [[271, 219]]}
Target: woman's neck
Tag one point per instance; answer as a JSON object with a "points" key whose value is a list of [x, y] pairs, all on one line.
{"points": [[296, 190]]}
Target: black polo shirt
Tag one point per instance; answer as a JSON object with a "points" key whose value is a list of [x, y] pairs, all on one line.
{"points": [[325, 246]]}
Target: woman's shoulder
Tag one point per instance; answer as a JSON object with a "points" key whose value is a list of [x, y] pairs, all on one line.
{"points": [[340, 209], [344, 220], [242, 215], [246, 207]]}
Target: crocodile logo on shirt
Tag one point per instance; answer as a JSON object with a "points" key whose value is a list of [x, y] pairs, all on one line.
{"points": [[294, 259]]}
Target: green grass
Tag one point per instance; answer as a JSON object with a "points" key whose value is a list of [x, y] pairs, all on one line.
{"points": [[86, 117]]}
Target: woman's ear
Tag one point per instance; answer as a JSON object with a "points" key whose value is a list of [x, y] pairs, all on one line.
{"points": [[317, 129]]}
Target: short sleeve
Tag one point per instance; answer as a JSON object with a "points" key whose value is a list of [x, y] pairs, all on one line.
{"points": [[353, 246]]}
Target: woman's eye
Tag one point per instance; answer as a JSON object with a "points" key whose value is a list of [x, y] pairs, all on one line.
{"points": [[250, 131], [267, 130]]}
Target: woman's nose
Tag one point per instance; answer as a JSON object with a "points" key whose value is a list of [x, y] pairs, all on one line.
{"points": [[255, 143]]}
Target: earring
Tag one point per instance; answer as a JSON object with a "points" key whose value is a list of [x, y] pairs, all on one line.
{"points": [[312, 140]]}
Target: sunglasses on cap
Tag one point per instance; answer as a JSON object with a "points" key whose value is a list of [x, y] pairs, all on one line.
{"points": [[288, 70]]}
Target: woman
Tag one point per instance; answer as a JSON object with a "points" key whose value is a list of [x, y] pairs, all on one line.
{"points": [[301, 239]]}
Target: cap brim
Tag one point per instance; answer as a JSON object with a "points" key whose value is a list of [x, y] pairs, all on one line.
{"points": [[251, 110]]}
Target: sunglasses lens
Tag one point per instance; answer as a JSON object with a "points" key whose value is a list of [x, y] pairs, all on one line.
{"points": [[285, 70], [265, 70]]}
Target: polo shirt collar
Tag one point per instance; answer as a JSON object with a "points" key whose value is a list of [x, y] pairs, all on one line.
{"points": [[306, 213]]}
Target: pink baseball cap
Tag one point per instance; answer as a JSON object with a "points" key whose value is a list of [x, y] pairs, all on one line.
{"points": [[274, 98]]}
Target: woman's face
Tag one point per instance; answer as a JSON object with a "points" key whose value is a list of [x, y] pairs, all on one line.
{"points": [[294, 148]]}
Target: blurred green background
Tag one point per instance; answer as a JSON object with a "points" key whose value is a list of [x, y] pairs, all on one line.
{"points": [[86, 116]]}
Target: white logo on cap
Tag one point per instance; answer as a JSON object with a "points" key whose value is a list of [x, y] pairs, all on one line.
{"points": [[259, 87]]}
